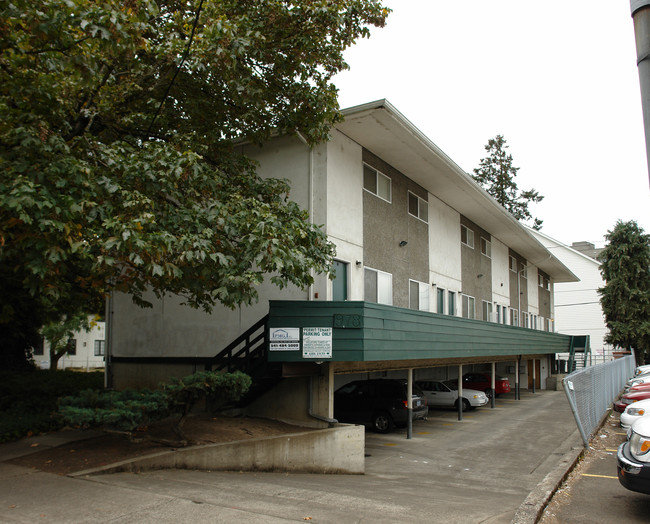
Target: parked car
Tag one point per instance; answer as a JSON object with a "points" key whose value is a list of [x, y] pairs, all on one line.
{"points": [[378, 403], [445, 394], [641, 379], [638, 387], [642, 369], [631, 398], [633, 412], [633, 458], [483, 381]]}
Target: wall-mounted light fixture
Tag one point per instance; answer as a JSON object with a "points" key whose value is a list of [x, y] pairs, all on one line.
{"points": [[403, 243], [358, 263], [479, 275]]}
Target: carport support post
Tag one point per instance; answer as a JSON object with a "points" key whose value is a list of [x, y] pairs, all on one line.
{"points": [[409, 403], [492, 385], [460, 392], [517, 378], [533, 361]]}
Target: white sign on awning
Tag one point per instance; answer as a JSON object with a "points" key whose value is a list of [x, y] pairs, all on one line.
{"points": [[317, 342], [284, 339]]}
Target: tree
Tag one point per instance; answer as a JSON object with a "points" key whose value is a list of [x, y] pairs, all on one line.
{"points": [[59, 334], [119, 143], [497, 176], [625, 297]]}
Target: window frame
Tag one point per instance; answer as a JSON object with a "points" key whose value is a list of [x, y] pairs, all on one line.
{"points": [[468, 236], [463, 309], [421, 202], [512, 261], [421, 286], [101, 345], [376, 191], [488, 310], [440, 305], [451, 303], [487, 252], [383, 293]]}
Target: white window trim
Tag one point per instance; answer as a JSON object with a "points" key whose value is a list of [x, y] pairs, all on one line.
{"points": [[462, 306], [469, 235], [421, 286], [510, 263], [488, 247], [390, 184], [421, 201], [383, 274]]}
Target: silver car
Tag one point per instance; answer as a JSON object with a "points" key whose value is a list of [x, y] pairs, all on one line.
{"points": [[444, 393]]}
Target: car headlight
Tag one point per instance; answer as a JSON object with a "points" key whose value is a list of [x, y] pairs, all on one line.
{"points": [[639, 447], [627, 401], [637, 412]]}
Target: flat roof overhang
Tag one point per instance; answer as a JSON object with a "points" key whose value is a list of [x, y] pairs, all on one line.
{"points": [[366, 336], [384, 131]]}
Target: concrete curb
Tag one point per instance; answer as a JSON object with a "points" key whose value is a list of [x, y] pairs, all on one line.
{"points": [[333, 450], [531, 509]]}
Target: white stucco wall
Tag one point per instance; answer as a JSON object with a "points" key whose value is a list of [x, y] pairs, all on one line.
{"points": [[345, 208], [444, 250], [85, 355]]}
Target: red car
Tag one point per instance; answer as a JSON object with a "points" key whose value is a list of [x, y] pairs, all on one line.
{"points": [[483, 382], [630, 398]]}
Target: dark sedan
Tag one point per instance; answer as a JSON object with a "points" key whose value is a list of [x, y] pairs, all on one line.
{"points": [[378, 403]]}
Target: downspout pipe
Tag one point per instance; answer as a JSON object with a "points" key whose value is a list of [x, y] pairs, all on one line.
{"points": [[641, 17]]}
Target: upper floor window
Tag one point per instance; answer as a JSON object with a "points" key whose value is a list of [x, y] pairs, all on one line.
{"points": [[467, 236], [524, 271], [486, 247], [377, 183], [468, 306], [378, 286], [513, 264], [418, 207], [548, 284], [488, 314], [440, 294], [514, 317], [418, 295], [540, 280]]}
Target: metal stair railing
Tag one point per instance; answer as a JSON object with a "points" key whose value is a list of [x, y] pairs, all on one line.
{"points": [[247, 352]]}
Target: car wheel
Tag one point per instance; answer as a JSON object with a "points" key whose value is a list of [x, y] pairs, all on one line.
{"points": [[382, 422], [466, 404]]}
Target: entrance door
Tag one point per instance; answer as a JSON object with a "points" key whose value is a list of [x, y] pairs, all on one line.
{"points": [[538, 380], [340, 282]]}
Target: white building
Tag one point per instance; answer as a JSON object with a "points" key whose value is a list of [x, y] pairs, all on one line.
{"points": [[87, 351], [577, 304]]}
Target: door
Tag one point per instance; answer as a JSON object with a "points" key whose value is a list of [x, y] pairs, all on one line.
{"points": [[340, 282], [538, 380]]}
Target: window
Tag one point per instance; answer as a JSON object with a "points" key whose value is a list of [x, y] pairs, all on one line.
{"points": [[451, 303], [467, 236], [468, 306], [513, 264], [441, 301], [376, 183], [99, 348], [418, 207], [524, 317], [499, 314], [533, 321], [548, 284], [486, 247], [378, 286], [540, 280], [39, 349], [487, 311], [71, 349], [524, 272], [514, 317], [418, 295]]}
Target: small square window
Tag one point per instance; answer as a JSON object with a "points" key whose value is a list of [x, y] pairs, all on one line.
{"points": [[513, 264], [376, 183], [418, 207], [467, 236], [486, 247]]}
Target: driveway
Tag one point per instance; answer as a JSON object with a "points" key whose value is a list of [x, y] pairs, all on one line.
{"points": [[480, 469]]}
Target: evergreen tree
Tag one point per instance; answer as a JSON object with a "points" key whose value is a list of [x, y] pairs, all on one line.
{"points": [[625, 298], [497, 176]]}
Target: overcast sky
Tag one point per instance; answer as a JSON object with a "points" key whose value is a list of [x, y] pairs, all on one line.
{"points": [[558, 79]]}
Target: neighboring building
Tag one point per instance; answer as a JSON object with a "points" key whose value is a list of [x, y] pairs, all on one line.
{"points": [[577, 304], [431, 274], [87, 351], [587, 248]]}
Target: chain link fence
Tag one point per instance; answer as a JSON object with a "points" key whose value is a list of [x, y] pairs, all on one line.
{"points": [[592, 390]]}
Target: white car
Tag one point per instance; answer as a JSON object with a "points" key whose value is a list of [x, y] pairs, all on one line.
{"points": [[445, 394], [633, 412], [633, 458], [641, 379], [642, 369]]}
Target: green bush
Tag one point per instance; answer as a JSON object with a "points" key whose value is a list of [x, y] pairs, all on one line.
{"points": [[28, 401]]}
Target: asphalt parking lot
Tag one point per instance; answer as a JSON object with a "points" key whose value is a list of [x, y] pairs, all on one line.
{"points": [[592, 493], [480, 469]]}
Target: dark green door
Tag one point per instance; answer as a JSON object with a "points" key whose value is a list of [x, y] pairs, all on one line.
{"points": [[340, 282]]}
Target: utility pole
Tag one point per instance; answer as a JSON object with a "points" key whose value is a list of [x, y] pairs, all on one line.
{"points": [[641, 17]]}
